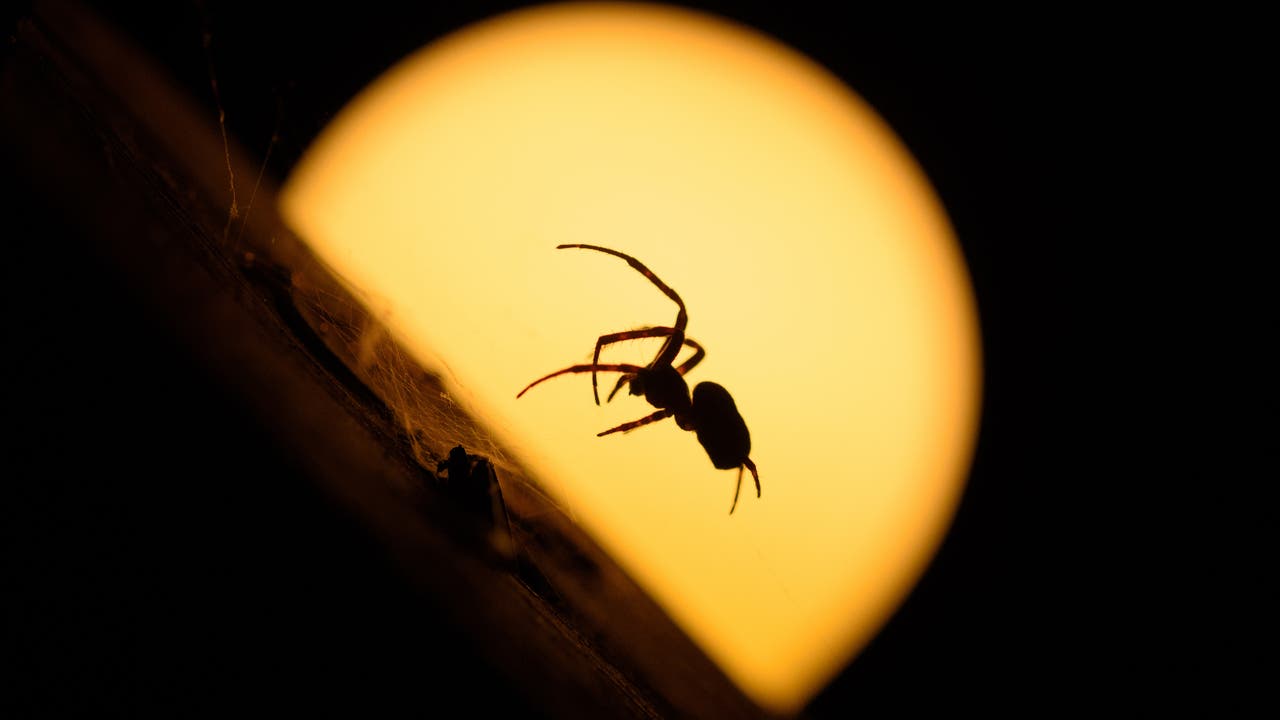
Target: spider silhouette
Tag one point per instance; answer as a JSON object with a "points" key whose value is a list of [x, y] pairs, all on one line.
{"points": [[709, 411]]}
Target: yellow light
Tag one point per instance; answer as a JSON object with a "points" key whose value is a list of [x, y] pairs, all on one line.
{"points": [[819, 270]]}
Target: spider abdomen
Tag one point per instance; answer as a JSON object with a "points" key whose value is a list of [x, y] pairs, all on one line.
{"points": [[720, 427]]}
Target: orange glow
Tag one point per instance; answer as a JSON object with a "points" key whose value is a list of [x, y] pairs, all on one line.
{"points": [[819, 270]]}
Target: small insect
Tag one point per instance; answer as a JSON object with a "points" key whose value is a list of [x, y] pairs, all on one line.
{"points": [[709, 412]]}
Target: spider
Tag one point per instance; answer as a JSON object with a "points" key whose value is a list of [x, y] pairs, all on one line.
{"points": [[709, 412]]}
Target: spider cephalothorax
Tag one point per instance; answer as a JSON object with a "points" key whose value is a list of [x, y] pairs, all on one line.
{"points": [[709, 411]]}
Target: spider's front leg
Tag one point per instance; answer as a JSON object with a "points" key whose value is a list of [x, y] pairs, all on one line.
{"points": [[593, 368], [613, 338], [698, 354]]}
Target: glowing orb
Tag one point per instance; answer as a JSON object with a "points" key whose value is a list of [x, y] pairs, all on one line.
{"points": [[819, 270]]}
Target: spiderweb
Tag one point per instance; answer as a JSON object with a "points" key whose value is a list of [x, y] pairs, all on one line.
{"points": [[431, 417], [426, 405]]}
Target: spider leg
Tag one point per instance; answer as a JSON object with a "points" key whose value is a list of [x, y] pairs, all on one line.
{"points": [[671, 348], [617, 338], [755, 475], [582, 369], [684, 367], [618, 386], [628, 427], [698, 354], [752, 467]]}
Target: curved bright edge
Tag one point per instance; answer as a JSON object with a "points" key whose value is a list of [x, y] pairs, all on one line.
{"points": [[819, 269]]}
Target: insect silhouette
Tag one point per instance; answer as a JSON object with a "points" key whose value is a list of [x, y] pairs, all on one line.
{"points": [[709, 411]]}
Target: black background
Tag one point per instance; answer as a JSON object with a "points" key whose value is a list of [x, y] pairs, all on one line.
{"points": [[127, 574]]}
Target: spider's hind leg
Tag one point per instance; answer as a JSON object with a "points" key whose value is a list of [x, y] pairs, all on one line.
{"points": [[746, 465]]}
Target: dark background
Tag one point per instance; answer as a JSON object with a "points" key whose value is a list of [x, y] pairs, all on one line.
{"points": [[1025, 125]]}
